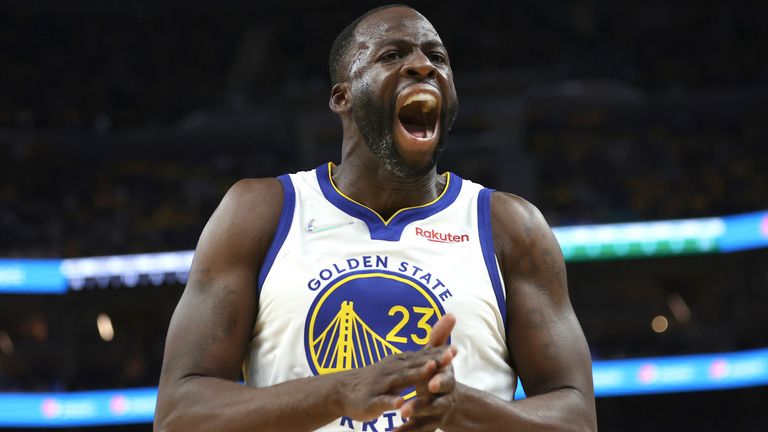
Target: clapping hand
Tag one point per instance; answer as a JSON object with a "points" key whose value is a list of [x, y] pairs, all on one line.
{"points": [[435, 396]]}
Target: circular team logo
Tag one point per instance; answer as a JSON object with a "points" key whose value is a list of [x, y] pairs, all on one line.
{"points": [[361, 318]]}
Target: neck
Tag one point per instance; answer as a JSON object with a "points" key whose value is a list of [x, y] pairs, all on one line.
{"points": [[362, 177]]}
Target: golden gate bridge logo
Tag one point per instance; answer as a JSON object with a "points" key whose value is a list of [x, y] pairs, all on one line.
{"points": [[350, 344], [363, 318]]}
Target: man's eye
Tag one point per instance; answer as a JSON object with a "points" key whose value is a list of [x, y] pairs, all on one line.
{"points": [[436, 58], [391, 55]]}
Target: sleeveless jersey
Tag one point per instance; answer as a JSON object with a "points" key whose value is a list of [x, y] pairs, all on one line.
{"points": [[343, 288]]}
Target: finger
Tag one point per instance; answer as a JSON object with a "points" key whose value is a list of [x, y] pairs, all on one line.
{"points": [[430, 368], [422, 424], [411, 376], [419, 406], [443, 382], [387, 403], [399, 403], [413, 369], [409, 358], [406, 411], [448, 356], [421, 386], [434, 367], [425, 407], [442, 330]]}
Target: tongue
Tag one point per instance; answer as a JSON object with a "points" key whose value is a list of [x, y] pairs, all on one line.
{"points": [[419, 131]]}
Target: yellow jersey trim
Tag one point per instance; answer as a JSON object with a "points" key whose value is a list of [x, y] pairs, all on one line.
{"points": [[447, 176]]}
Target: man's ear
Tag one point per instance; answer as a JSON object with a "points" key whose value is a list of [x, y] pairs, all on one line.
{"points": [[340, 100]]}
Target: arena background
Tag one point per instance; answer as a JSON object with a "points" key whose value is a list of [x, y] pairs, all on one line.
{"points": [[123, 123]]}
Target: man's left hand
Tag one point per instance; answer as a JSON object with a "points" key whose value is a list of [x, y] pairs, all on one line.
{"points": [[433, 404]]}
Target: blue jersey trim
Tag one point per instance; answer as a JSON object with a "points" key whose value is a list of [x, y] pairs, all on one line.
{"points": [[489, 254], [380, 229], [283, 227]]}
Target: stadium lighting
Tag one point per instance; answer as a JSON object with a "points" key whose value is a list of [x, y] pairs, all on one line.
{"points": [[6, 344], [578, 243], [660, 324], [640, 376], [679, 308], [104, 324]]}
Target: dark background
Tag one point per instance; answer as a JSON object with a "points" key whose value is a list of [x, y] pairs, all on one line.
{"points": [[122, 124]]}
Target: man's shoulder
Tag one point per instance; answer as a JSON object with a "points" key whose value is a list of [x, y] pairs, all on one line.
{"points": [[240, 230], [512, 208], [516, 221], [258, 199], [503, 203], [250, 194], [255, 188]]}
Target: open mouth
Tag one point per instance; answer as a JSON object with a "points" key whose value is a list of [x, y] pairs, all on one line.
{"points": [[419, 111]]}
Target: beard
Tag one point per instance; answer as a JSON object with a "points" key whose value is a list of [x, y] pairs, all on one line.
{"points": [[375, 121]]}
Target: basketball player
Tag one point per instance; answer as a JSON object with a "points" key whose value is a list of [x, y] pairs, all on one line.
{"points": [[377, 294]]}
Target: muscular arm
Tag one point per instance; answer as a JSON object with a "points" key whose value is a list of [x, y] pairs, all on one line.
{"points": [[211, 329], [545, 340], [211, 326]]}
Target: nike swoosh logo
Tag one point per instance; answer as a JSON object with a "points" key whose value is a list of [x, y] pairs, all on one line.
{"points": [[312, 228]]}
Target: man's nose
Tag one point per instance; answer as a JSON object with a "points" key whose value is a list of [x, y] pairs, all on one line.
{"points": [[418, 66]]}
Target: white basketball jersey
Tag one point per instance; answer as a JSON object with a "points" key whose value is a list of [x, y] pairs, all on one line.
{"points": [[342, 288]]}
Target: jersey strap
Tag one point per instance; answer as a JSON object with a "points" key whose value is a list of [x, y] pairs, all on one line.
{"points": [[489, 254]]}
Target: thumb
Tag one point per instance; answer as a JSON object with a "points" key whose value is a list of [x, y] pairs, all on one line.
{"points": [[442, 330]]}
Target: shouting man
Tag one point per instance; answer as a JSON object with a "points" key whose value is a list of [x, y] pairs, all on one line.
{"points": [[377, 295]]}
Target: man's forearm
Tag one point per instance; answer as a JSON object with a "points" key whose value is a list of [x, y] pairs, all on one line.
{"points": [[206, 404], [560, 410]]}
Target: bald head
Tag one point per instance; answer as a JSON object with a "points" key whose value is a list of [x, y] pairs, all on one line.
{"points": [[384, 61], [339, 55]]}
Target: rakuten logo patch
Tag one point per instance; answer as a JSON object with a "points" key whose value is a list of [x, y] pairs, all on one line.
{"points": [[442, 237]]}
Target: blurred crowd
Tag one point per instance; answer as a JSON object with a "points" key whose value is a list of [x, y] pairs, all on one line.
{"points": [[96, 69], [69, 202], [97, 66], [593, 166], [53, 343], [650, 162]]}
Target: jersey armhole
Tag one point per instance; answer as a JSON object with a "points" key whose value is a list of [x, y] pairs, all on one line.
{"points": [[283, 227], [489, 251]]}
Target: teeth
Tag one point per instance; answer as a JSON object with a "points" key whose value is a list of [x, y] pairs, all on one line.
{"points": [[429, 101]]}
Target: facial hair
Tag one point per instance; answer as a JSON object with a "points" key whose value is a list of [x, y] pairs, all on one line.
{"points": [[375, 121]]}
